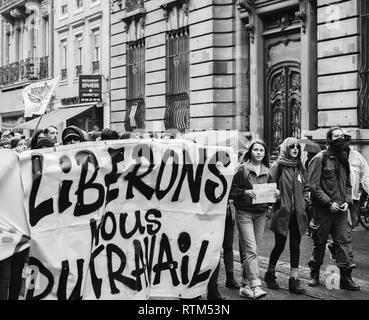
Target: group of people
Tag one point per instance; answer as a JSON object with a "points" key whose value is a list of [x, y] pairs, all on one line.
{"points": [[328, 187]]}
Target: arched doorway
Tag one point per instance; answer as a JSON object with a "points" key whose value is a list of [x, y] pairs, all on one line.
{"points": [[283, 98]]}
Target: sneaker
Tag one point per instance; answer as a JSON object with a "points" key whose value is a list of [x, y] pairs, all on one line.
{"points": [[246, 292], [258, 292], [329, 246]]}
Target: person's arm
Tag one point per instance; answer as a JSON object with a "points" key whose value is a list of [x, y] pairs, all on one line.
{"points": [[236, 190], [314, 174]]}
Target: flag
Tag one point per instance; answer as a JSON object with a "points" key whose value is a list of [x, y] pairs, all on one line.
{"points": [[37, 96]]}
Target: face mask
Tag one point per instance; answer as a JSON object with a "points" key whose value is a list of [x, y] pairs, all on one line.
{"points": [[341, 148]]}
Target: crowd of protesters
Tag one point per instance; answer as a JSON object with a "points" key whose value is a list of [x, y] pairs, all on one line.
{"points": [[311, 198]]}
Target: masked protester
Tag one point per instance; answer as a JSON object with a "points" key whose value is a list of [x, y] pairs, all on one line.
{"points": [[331, 196]]}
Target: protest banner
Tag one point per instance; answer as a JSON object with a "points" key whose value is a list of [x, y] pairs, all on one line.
{"points": [[14, 230], [131, 219], [37, 96]]}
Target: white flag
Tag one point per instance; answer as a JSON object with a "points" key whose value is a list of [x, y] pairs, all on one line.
{"points": [[37, 96]]}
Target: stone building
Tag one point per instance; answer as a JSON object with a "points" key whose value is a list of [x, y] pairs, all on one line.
{"points": [[26, 38], [276, 68]]}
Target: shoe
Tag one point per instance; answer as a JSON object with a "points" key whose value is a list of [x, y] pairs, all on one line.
{"points": [[294, 286], [329, 246], [270, 280], [314, 274], [258, 292], [246, 292], [346, 282], [231, 283]]}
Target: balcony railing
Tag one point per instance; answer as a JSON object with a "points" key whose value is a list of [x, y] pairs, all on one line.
{"points": [[96, 67], [132, 5], [24, 70]]}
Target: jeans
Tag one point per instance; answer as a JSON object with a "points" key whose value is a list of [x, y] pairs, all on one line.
{"points": [[334, 224], [251, 230]]}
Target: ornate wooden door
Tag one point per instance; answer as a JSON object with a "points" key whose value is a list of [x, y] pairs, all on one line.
{"points": [[283, 113]]}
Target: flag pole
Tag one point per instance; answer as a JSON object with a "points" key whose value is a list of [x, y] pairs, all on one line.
{"points": [[38, 124]]}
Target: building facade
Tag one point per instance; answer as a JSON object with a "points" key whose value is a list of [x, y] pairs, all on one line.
{"points": [[81, 49], [276, 68], [26, 37]]}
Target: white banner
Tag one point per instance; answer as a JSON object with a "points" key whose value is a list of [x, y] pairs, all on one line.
{"points": [[129, 219], [14, 231], [36, 97]]}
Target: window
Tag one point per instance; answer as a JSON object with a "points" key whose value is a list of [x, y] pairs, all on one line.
{"points": [[135, 107], [64, 59], [78, 54], [79, 4], [177, 114], [63, 7], [96, 50]]}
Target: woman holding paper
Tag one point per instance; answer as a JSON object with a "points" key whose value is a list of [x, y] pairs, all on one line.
{"points": [[250, 217], [290, 212]]}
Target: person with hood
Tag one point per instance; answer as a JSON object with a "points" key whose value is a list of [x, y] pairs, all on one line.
{"points": [[331, 195], [72, 135], [251, 218], [289, 212]]}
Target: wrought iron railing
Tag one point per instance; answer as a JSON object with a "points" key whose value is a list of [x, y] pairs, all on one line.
{"points": [[134, 5], [24, 70]]}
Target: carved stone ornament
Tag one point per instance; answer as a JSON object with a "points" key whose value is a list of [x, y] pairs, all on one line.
{"points": [[301, 15], [170, 4], [246, 11]]}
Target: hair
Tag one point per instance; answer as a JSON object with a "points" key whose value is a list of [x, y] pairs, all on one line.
{"points": [[125, 135], [14, 142], [46, 131], [247, 156], [330, 133], [109, 134]]}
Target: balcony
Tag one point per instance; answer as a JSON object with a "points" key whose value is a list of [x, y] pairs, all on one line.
{"points": [[25, 70], [7, 5], [132, 5]]}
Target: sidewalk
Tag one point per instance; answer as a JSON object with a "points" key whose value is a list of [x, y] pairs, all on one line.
{"points": [[318, 293]]}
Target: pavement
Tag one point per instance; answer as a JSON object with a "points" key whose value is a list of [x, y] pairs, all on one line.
{"points": [[282, 274]]}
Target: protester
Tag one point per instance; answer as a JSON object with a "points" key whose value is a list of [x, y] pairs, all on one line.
{"points": [[359, 174], [251, 218], [329, 176], [5, 143], [72, 135], [109, 134], [8, 134], [290, 212], [51, 132], [94, 136], [44, 143], [36, 138]]}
